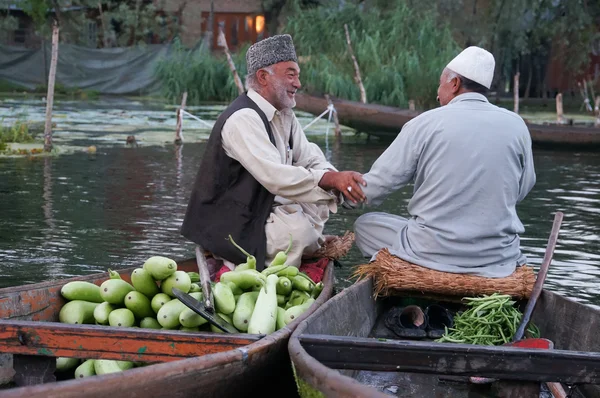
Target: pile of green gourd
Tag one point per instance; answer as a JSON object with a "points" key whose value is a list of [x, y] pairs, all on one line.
{"points": [[489, 320], [253, 302]]}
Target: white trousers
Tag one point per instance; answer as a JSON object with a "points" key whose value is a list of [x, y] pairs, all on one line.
{"points": [[305, 221]]}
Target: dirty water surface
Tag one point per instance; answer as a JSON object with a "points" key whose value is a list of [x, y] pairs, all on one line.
{"points": [[81, 212]]}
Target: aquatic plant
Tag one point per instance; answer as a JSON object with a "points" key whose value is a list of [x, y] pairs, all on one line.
{"points": [[205, 76], [18, 132], [401, 51]]}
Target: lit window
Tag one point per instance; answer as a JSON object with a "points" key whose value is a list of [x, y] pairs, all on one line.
{"points": [[260, 23]]}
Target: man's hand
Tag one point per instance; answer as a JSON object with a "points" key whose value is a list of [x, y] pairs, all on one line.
{"points": [[347, 182]]}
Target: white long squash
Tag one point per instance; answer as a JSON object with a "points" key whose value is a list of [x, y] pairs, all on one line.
{"points": [[264, 316]]}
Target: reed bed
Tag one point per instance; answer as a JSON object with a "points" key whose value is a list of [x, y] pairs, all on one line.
{"points": [[401, 51], [205, 76]]}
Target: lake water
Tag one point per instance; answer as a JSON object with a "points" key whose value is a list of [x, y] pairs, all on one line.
{"points": [[81, 213]]}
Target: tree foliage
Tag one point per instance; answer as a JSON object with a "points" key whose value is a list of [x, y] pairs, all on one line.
{"points": [[120, 23], [8, 22], [526, 33]]}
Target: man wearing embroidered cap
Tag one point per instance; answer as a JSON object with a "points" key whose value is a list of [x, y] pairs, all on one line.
{"points": [[471, 163], [260, 179]]}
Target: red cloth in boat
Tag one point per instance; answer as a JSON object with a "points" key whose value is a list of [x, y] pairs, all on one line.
{"points": [[315, 270], [221, 272]]}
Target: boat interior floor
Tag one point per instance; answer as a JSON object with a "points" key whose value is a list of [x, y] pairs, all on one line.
{"points": [[402, 384]]}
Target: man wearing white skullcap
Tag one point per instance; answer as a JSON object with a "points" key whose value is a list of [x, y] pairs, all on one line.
{"points": [[261, 180], [471, 163]]}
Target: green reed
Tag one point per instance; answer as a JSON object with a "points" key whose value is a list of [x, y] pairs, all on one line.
{"points": [[205, 76], [401, 51]]}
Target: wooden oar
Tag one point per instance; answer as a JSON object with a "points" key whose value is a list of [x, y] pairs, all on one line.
{"points": [[541, 277], [538, 287], [556, 388]]}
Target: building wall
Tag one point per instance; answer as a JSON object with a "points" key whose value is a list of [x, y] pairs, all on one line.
{"points": [[194, 16], [557, 80]]}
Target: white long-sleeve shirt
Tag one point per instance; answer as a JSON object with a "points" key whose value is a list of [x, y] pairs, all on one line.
{"points": [[291, 175], [471, 163]]}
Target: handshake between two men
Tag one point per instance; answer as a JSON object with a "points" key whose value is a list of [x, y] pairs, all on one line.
{"points": [[348, 183]]}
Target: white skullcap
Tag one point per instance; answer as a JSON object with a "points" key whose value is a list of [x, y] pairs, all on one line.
{"points": [[475, 64]]}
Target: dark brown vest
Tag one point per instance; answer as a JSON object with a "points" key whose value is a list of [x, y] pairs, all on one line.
{"points": [[226, 199]]}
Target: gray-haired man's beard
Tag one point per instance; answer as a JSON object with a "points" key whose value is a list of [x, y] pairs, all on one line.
{"points": [[282, 96]]}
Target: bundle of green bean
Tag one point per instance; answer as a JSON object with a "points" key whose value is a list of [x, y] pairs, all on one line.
{"points": [[490, 320]]}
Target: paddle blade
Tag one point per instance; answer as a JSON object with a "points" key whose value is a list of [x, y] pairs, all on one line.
{"points": [[199, 308], [533, 343]]}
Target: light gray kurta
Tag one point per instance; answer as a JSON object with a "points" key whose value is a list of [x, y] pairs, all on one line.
{"points": [[301, 207], [471, 163]]}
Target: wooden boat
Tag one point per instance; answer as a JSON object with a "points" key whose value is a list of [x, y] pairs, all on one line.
{"points": [[386, 122], [372, 118], [344, 350], [186, 364]]}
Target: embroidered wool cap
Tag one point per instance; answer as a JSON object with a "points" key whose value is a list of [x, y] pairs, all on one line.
{"points": [[270, 51], [475, 64]]}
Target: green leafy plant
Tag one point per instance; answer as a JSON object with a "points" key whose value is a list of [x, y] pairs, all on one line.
{"points": [[400, 49], [205, 77]]}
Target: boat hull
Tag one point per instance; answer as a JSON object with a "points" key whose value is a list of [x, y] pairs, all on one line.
{"points": [[183, 364], [341, 355]]}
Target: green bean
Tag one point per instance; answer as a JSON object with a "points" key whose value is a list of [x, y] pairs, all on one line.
{"points": [[488, 320]]}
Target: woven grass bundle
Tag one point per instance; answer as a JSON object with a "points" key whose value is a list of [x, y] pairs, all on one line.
{"points": [[336, 248], [392, 276]]}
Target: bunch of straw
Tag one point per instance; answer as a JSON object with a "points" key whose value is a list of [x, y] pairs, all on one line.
{"points": [[337, 247], [393, 276]]}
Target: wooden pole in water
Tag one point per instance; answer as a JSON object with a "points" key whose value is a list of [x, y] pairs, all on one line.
{"points": [[560, 119], [597, 109], [586, 98], [179, 125], [516, 92], [336, 122], [586, 101], [50, 94], [222, 42], [357, 78]]}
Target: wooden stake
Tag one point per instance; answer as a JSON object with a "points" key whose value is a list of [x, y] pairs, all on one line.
{"points": [[560, 119], [336, 122], [597, 110], [583, 91], [586, 98], [104, 31], [363, 93], [516, 92], [179, 125], [50, 94], [411, 105], [222, 42]]}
